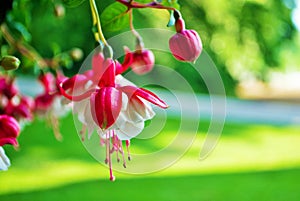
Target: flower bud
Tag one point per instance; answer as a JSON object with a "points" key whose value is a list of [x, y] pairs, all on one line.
{"points": [[10, 62], [185, 45], [143, 61], [76, 54], [9, 130], [59, 10]]}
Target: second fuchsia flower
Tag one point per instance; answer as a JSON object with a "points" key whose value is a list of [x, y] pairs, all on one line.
{"points": [[185, 45]]}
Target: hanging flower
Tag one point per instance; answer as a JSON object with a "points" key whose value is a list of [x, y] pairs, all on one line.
{"points": [[185, 45], [4, 160], [50, 104], [111, 105]]}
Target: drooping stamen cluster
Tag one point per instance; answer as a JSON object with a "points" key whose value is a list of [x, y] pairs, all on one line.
{"points": [[118, 108]]}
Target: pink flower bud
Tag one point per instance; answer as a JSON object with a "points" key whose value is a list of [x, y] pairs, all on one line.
{"points": [[9, 130], [185, 45], [143, 61]]}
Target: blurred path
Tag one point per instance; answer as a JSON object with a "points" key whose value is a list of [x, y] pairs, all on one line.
{"points": [[236, 110]]}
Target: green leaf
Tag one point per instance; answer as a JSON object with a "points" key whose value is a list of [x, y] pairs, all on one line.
{"points": [[114, 17], [73, 3], [170, 3]]}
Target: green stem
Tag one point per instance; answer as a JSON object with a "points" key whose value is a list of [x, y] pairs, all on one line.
{"points": [[96, 22], [135, 33]]}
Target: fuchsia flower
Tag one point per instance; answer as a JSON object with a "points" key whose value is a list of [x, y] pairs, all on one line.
{"points": [[50, 103], [44, 101], [9, 130], [110, 104], [185, 45]]}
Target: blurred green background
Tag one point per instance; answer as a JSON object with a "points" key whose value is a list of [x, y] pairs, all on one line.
{"points": [[249, 40]]}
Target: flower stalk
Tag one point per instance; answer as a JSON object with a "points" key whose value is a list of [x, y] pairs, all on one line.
{"points": [[96, 22]]}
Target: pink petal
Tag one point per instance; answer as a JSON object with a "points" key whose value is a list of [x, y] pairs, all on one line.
{"points": [[128, 59], [132, 91], [106, 105], [108, 73]]}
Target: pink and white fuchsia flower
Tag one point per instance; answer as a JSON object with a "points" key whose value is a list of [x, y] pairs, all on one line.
{"points": [[110, 104]]}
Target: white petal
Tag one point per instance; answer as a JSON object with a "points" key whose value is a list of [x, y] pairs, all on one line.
{"points": [[4, 160], [120, 80], [129, 130], [104, 134], [124, 101], [59, 108], [138, 111], [79, 108]]}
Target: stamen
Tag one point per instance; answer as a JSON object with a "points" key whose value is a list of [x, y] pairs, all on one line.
{"points": [[107, 148], [55, 126], [127, 146], [122, 151], [112, 177], [83, 132], [102, 142], [116, 146]]}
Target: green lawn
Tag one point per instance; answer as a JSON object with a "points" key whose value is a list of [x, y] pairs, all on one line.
{"points": [[251, 162]]}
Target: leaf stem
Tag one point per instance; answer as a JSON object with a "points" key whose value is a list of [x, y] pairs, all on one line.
{"points": [[96, 22]]}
